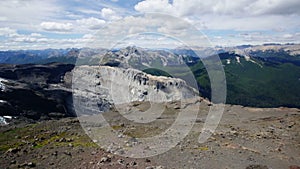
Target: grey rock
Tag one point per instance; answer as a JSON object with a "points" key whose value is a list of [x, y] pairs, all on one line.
{"points": [[105, 160]]}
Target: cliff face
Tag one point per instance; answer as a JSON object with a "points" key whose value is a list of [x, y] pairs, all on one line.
{"points": [[35, 91], [103, 86], [43, 91]]}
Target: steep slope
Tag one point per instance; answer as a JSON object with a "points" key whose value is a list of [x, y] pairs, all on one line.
{"points": [[35, 91], [103, 87], [255, 81]]}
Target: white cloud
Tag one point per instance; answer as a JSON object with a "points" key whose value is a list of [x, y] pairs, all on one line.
{"points": [[26, 13], [265, 22], [14, 38], [26, 39], [91, 23], [87, 36], [227, 14], [116, 31], [226, 7], [56, 27], [109, 14], [279, 7], [160, 6], [29, 42], [288, 36], [8, 32], [36, 35], [277, 18], [3, 18]]}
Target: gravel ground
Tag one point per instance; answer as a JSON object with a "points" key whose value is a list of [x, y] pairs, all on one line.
{"points": [[246, 138]]}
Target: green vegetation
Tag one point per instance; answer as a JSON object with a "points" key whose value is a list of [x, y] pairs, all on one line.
{"points": [[39, 135], [8, 138], [262, 83], [266, 86]]}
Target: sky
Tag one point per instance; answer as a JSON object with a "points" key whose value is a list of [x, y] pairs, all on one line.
{"points": [[36, 24]]}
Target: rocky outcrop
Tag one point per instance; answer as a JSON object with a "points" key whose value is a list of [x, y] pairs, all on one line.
{"points": [[106, 86], [43, 91], [35, 91]]}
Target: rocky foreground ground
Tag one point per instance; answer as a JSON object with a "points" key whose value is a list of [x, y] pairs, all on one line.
{"points": [[246, 138]]}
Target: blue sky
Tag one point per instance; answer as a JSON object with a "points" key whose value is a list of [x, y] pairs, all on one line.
{"points": [[36, 24]]}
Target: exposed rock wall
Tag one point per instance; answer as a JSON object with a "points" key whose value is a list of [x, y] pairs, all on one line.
{"points": [[105, 86]]}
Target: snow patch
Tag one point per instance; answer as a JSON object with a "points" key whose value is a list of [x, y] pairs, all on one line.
{"points": [[247, 58], [238, 59], [3, 121], [3, 101], [2, 85], [8, 117]]}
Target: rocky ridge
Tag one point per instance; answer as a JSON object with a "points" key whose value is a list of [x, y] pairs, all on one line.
{"points": [[113, 85]]}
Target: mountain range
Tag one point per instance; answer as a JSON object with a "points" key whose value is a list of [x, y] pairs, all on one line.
{"points": [[258, 76]]}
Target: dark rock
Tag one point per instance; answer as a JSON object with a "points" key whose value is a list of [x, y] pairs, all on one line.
{"points": [[176, 107], [132, 163], [54, 153], [257, 167], [155, 167], [13, 150], [69, 140], [29, 93], [105, 160], [61, 140], [17, 137], [56, 115], [31, 164], [121, 161], [67, 153], [145, 93], [13, 162]]}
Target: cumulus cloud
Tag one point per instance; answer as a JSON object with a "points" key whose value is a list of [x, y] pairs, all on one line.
{"points": [[160, 6], [109, 14], [36, 35], [14, 38], [116, 31], [8, 32], [288, 36], [248, 21], [277, 7], [23, 41], [227, 7], [25, 13], [227, 14], [56, 27], [91, 23], [266, 22]]}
